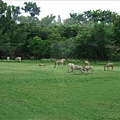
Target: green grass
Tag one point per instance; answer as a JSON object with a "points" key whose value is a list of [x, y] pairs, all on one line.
{"points": [[31, 92]]}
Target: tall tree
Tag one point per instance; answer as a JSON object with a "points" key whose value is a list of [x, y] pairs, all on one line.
{"points": [[117, 31], [32, 9], [5, 27], [47, 21], [59, 19], [15, 13], [102, 40]]}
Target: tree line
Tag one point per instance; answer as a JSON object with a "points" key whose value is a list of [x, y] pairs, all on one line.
{"points": [[93, 34]]}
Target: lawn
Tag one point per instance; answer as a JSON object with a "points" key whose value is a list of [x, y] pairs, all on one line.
{"points": [[32, 92]]}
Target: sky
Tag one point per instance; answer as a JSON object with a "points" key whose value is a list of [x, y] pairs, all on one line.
{"points": [[64, 7]]}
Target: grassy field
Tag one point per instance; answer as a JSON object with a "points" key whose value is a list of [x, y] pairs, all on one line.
{"points": [[31, 92]]}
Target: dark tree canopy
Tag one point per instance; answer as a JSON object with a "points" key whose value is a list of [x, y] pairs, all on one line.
{"points": [[93, 34]]}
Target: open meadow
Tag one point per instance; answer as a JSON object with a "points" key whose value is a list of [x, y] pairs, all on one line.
{"points": [[32, 92]]}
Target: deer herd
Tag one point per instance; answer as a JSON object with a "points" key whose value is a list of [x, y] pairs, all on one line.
{"points": [[72, 67], [17, 59], [82, 69]]}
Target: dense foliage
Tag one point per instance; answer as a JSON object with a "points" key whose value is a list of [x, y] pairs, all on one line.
{"points": [[89, 35]]}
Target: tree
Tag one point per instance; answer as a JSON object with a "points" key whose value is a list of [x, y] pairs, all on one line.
{"points": [[59, 20], [82, 49], [24, 19], [27, 19], [47, 21], [5, 27], [32, 9], [39, 48], [68, 31], [5, 14], [15, 12], [102, 39], [117, 31], [79, 18]]}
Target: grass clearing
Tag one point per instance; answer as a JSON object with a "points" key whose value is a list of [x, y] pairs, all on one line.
{"points": [[31, 92]]}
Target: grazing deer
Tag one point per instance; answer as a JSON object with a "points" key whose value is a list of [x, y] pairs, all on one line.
{"points": [[80, 68], [18, 59], [89, 67], [108, 65]]}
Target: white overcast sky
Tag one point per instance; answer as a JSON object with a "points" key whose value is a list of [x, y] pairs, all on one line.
{"points": [[64, 7]]}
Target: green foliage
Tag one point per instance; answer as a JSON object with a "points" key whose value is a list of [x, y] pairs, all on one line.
{"points": [[47, 21], [39, 48], [63, 49], [3, 7], [15, 13], [88, 35], [68, 32], [105, 16], [117, 30], [102, 40], [5, 16], [32, 9]]}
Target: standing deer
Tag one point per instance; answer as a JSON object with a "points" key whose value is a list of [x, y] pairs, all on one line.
{"points": [[59, 62]]}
